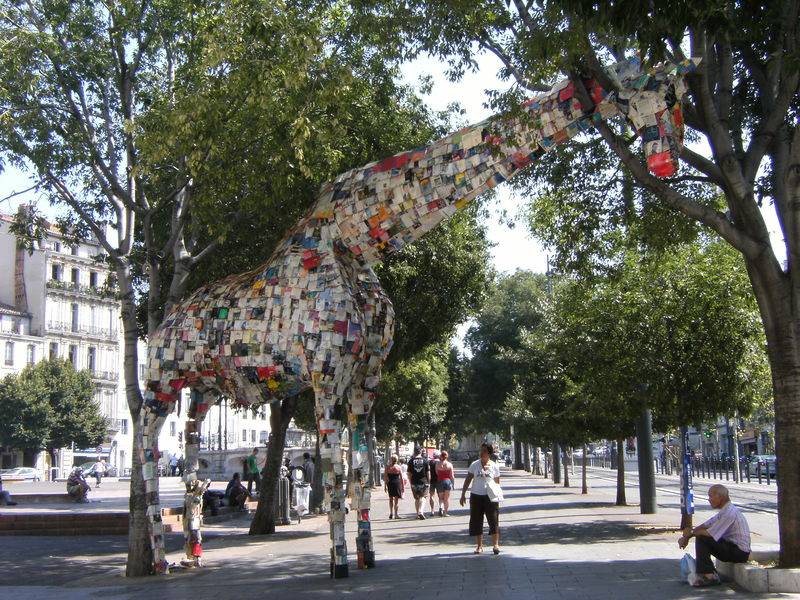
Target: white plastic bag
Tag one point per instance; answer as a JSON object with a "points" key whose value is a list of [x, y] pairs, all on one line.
{"points": [[688, 568], [494, 491]]}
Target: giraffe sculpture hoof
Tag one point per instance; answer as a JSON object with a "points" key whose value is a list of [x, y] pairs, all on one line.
{"points": [[369, 559], [339, 571]]}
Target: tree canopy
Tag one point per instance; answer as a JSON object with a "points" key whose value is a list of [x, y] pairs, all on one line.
{"points": [[49, 405]]}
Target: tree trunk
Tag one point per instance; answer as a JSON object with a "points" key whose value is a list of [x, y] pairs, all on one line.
{"points": [[584, 460], [281, 414], [556, 464], [140, 553], [778, 298], [621, 501], [566, 466]]}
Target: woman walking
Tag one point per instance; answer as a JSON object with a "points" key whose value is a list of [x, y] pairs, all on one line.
{"points": [[445, 482], [394, 485], [482, 472]]}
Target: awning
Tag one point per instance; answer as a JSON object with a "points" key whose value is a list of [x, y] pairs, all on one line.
{"points": [[102, 450]]}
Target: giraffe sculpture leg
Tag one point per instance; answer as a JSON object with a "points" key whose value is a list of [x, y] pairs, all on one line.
{"points": [[193, 499], [358, 419], [330, 431], [152, 419]]}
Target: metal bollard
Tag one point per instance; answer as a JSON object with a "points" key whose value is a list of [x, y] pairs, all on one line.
{"points": [[283, 502]]}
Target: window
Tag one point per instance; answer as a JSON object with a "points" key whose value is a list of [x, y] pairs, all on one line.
{"points": [[92, 359], [31, 354], [253, 435], [55, 272], [93, 279], [74, 317], [15, 325], [123, 426], [10, 354], [263, 413], [111, 321], [53, 350], [244, 436], [141, 371], [172, 431], [56, 246], [73, 355], [76, 276], [75, 250]]}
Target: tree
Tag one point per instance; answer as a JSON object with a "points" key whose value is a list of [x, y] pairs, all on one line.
{"points": [[517, 304], [743, 103], [415, 401], [50, 405]]}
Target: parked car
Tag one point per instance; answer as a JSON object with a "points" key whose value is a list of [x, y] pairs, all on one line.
{"points": [[22, 474], [88, 469], [767, 462]]}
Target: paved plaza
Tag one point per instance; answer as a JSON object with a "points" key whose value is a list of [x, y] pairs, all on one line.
{"points": [[556, 544]]}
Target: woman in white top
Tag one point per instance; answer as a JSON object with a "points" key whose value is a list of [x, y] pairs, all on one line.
{"points": [[479, 472]]}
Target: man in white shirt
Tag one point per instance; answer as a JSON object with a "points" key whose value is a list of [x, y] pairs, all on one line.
{"points": [[725, 536]]}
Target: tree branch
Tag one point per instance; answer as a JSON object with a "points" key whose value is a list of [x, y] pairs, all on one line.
{"points": [[486, 42], [711, 218], [85, 215]]}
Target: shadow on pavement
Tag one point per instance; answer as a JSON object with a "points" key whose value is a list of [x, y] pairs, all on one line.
{"points": [[449, 576]]}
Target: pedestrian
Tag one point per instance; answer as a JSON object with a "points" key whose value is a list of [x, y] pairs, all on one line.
{"points": [[5, 497], [253, 474], [404, 471], [173, 464], [77, 488], [419, 476], [445, 483], [432, 464], [393, 485], [481, 472], [181, 465], [308, 468], [725, 536], [235, 492], [99, 469]]}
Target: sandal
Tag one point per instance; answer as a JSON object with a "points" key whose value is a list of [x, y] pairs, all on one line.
{"points": [[496, 550], [478, 551]]}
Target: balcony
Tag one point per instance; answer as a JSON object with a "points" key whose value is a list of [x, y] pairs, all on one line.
{"points": [[77, 289], [105, 375], [90, 330]]}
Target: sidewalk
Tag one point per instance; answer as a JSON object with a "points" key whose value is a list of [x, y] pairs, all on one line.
{"points": [[557, 544]]}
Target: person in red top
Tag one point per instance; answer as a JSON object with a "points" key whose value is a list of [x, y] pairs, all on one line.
{"points": [[394, 484], [445, 482]]}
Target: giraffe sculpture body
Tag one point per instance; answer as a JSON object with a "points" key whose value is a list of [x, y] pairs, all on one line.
{"points": [[314, 316]]}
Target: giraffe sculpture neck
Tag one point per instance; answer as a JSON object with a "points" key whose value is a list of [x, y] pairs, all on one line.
{"points": [[376, 210]]}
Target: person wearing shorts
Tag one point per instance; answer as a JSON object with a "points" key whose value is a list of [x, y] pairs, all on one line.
{"points": [[432, 464], [419, 478], [445, 483], [480, 506]]}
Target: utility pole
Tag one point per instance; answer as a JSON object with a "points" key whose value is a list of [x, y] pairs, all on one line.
{"points": [[687, 497], [647, 476]]}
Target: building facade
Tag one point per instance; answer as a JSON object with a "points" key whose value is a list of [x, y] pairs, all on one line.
{"points": [[58, 302]]}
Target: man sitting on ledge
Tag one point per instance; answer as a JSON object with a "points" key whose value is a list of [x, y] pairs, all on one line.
{"points": [[725, 536], [5, 497]]}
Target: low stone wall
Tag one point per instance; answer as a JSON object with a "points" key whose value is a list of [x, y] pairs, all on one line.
{"points": [[754, 577]]}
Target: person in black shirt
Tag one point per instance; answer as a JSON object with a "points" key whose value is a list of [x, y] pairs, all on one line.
{"points": [[419, 476], [433, 463]]}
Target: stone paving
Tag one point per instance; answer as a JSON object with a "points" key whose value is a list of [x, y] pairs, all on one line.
{"points": [[557, 544]]}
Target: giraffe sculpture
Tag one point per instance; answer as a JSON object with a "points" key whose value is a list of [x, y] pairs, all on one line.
{"points": [[315, 316]]}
